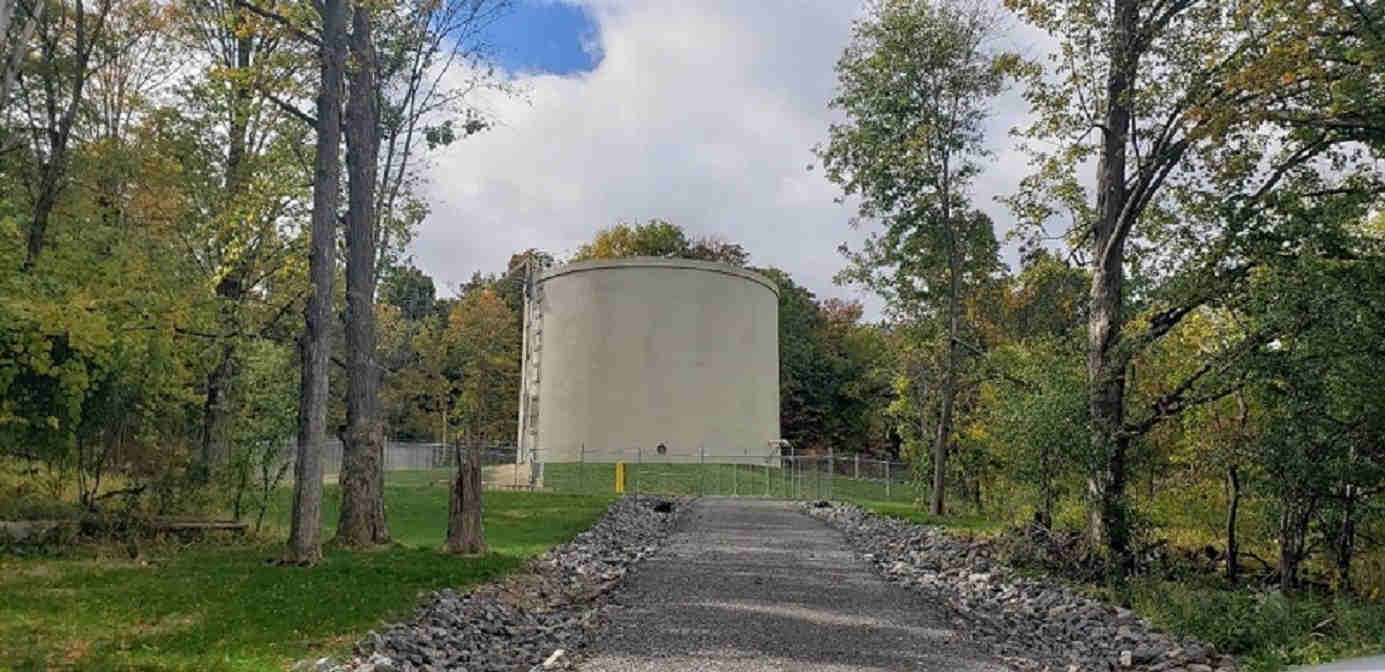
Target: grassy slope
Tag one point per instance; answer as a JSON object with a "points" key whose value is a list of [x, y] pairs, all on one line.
{"points": [[913, 514], [1266, 631], [218, 608]]}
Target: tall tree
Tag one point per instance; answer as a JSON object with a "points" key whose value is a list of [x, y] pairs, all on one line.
{"points": [[362, 520], [914, 83], [422, 41], [305, 534]]}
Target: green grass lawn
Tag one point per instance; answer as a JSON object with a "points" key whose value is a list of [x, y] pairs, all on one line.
{"points": [[222, 608]]}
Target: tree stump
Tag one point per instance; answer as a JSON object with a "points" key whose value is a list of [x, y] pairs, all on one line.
{"points": [[464, 533]]}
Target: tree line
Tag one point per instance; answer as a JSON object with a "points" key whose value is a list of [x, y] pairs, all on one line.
{"points": [[172, 203], [1201, 269]]}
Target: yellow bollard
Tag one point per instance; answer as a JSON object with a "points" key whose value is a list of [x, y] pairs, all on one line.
{"points": [[620, 478]]}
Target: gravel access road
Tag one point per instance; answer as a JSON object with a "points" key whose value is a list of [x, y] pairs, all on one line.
{"points": [[747, 585]]}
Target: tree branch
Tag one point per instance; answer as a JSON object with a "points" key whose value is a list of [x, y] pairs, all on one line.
{"points": [[1171, 404], [288, 107], [281, 20]]}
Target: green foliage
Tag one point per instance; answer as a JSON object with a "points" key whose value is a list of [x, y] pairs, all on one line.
{"points": [[408, 289], [1038, 431], [263, 430], [457, 373], [833, 373], [913, 84], [659, 238], [1266, 630], [482, 360], [656, 238]]}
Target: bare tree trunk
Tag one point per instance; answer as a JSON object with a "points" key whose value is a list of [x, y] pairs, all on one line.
{"points": [[1288, 558], [464, 532], [10, 62], [305, 536], [1293, 531], [1105, 364], [362, 521], [954, 312], [1345, 543], [1233, 547], [7, 8], [1045, 514], [216, 411], [944, 436]]}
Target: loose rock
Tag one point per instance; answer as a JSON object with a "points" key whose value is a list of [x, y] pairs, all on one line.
{"points": [[531, 620], [1032, 625]]}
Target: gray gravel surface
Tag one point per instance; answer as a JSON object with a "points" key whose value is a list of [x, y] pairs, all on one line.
{"points": [[751, 585]]}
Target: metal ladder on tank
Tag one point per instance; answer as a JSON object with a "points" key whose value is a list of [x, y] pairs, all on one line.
{"points": [[527, 443]]}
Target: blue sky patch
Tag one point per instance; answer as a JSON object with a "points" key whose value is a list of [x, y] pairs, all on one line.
{"points": [[546, 36]]}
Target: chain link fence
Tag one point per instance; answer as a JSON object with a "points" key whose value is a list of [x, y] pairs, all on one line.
{"points": [[731, 473], [702, 473], [497, 458]]}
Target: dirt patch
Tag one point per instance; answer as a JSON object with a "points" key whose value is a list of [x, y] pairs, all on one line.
{"points": [[507, 476], [74, 650], [166, 624], [39, 572]]}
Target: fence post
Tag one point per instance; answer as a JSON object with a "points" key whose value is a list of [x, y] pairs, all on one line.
{"points": [[639, 459], [791, 476], [831, 470], [735, 479], [857, 475], [701, 466], [581, 468], [797, 476], [887, 479]]}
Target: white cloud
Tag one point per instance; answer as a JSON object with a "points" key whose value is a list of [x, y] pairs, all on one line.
{"points": [[703, 113]]}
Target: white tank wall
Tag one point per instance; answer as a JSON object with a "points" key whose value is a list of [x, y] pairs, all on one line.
{"points": [[638, 352]]}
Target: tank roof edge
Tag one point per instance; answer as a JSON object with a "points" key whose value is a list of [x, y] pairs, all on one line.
{"points": [[660, 262]]}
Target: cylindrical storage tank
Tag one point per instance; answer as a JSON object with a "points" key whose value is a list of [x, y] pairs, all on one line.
{"points": [[658, 360]]}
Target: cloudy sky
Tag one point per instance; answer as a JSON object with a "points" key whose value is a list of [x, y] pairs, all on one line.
{"points": [[703, 113]]}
